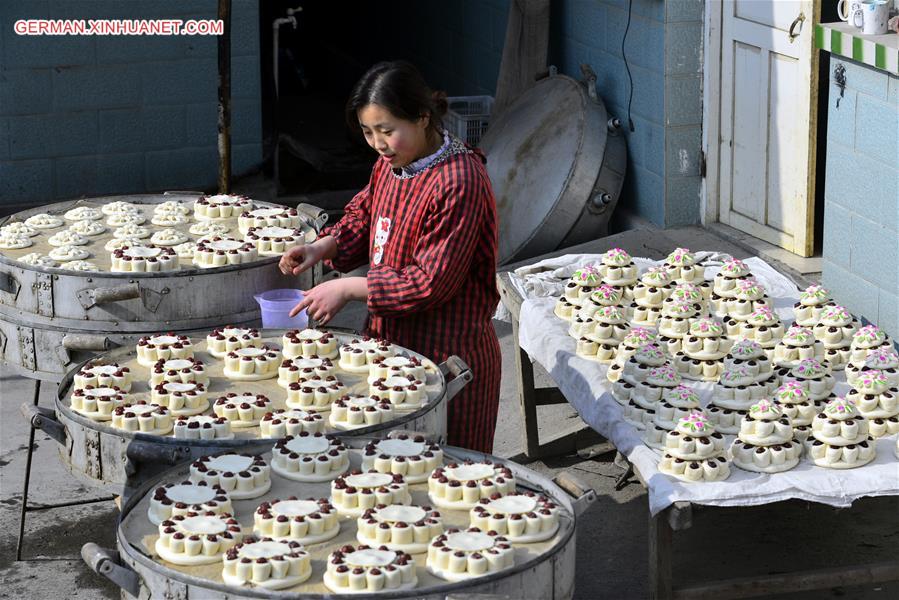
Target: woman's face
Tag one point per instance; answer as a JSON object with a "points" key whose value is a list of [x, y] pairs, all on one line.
{"points": [[399, 141]]}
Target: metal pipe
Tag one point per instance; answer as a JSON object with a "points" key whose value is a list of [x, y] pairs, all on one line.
{"points": [[27, 482], [224, 93], [276, 34]]}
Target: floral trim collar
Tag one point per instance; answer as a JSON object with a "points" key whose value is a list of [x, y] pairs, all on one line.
{"points": [[450, 147]]}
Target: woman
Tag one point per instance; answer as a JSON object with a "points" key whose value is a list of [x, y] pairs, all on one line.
{"points": [[426, 224]]}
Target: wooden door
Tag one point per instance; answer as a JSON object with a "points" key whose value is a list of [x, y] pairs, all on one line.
{"points": [[768, 100]]}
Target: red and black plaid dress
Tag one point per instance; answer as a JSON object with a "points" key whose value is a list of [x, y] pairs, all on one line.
{"points": [[431, 241]]}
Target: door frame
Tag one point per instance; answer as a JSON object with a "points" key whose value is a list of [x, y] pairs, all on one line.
{"points": [[711, 118], [711, 109]]}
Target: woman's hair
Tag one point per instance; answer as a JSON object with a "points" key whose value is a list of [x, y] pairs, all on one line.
{"points": [[400, 88]]}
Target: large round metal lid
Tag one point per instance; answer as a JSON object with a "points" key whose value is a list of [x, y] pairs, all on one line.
{"points": [[543, 157]]}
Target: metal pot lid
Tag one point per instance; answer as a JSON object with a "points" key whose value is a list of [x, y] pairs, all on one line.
{"points": [[544, 154]]}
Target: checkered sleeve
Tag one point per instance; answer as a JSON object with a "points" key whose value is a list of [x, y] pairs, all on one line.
{"points": [[441, 256], [351, 232]]}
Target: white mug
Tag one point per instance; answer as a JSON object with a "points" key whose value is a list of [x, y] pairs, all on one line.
{"points": [[875, 14], [846, 9]]}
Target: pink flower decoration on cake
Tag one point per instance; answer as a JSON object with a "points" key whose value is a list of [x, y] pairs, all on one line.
{"points": [[618, 256], [637, 335], [870, 334], [763, 314], [882, 359], [587, 275], [792, 390], [686, 292], [734, 267], [607, 292], [679, 256], [800, 335], [871, 379], [745, 348], [810, 367], [695, 421], [836, 313], [815, 292], [683, 394]]}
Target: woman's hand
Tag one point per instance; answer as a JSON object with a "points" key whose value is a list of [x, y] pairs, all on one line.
{"points": [[327, 299], [299, 258]]}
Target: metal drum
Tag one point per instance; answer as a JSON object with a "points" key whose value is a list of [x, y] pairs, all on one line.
{"points": [[120, 461], [545, 570], [52, 318]]}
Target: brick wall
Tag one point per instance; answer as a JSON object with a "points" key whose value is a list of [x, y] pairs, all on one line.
{"points": [[86, 116], [459, 47], [664, 53], [861, 195]]}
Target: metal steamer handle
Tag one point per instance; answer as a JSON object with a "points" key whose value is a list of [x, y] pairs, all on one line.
{"points": [[583, 495], [45, 420], [461, 372], [316, 217], [91, 297], [108, 563], [143, 452]]}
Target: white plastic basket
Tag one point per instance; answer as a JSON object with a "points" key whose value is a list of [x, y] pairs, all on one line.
{"points": [[468, 117]]}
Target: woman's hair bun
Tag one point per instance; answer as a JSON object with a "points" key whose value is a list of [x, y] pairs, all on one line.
{"points": [[441, 103]]}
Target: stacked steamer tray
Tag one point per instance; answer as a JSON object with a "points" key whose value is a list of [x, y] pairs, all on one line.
{"points": [[835, 331], [86, 276], [501, 529], [840, 438], [635, 370], [171, 398], [765, 443], [694, 451]]}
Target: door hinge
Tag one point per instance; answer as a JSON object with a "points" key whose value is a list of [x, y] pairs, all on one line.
{"points": [[702, 163]]}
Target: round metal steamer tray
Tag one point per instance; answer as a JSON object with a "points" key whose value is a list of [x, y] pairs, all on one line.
{"points": [[542, 570], [53, 318], [119, 461]]}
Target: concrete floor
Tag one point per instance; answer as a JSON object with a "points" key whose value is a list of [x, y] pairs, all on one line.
{"points": [[612, 537]]}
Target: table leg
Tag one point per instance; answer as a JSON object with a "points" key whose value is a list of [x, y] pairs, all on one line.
{"points": [[524, 371], [660, 537]]}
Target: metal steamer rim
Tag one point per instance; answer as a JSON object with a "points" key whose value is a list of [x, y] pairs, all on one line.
{"points": [[130, 552], [127, 352], [147, 200]]}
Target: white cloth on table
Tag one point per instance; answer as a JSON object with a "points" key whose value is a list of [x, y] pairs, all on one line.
{"points": [[583, 382]]}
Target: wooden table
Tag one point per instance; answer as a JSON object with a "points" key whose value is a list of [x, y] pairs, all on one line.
{"points": [[678, 516]]}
